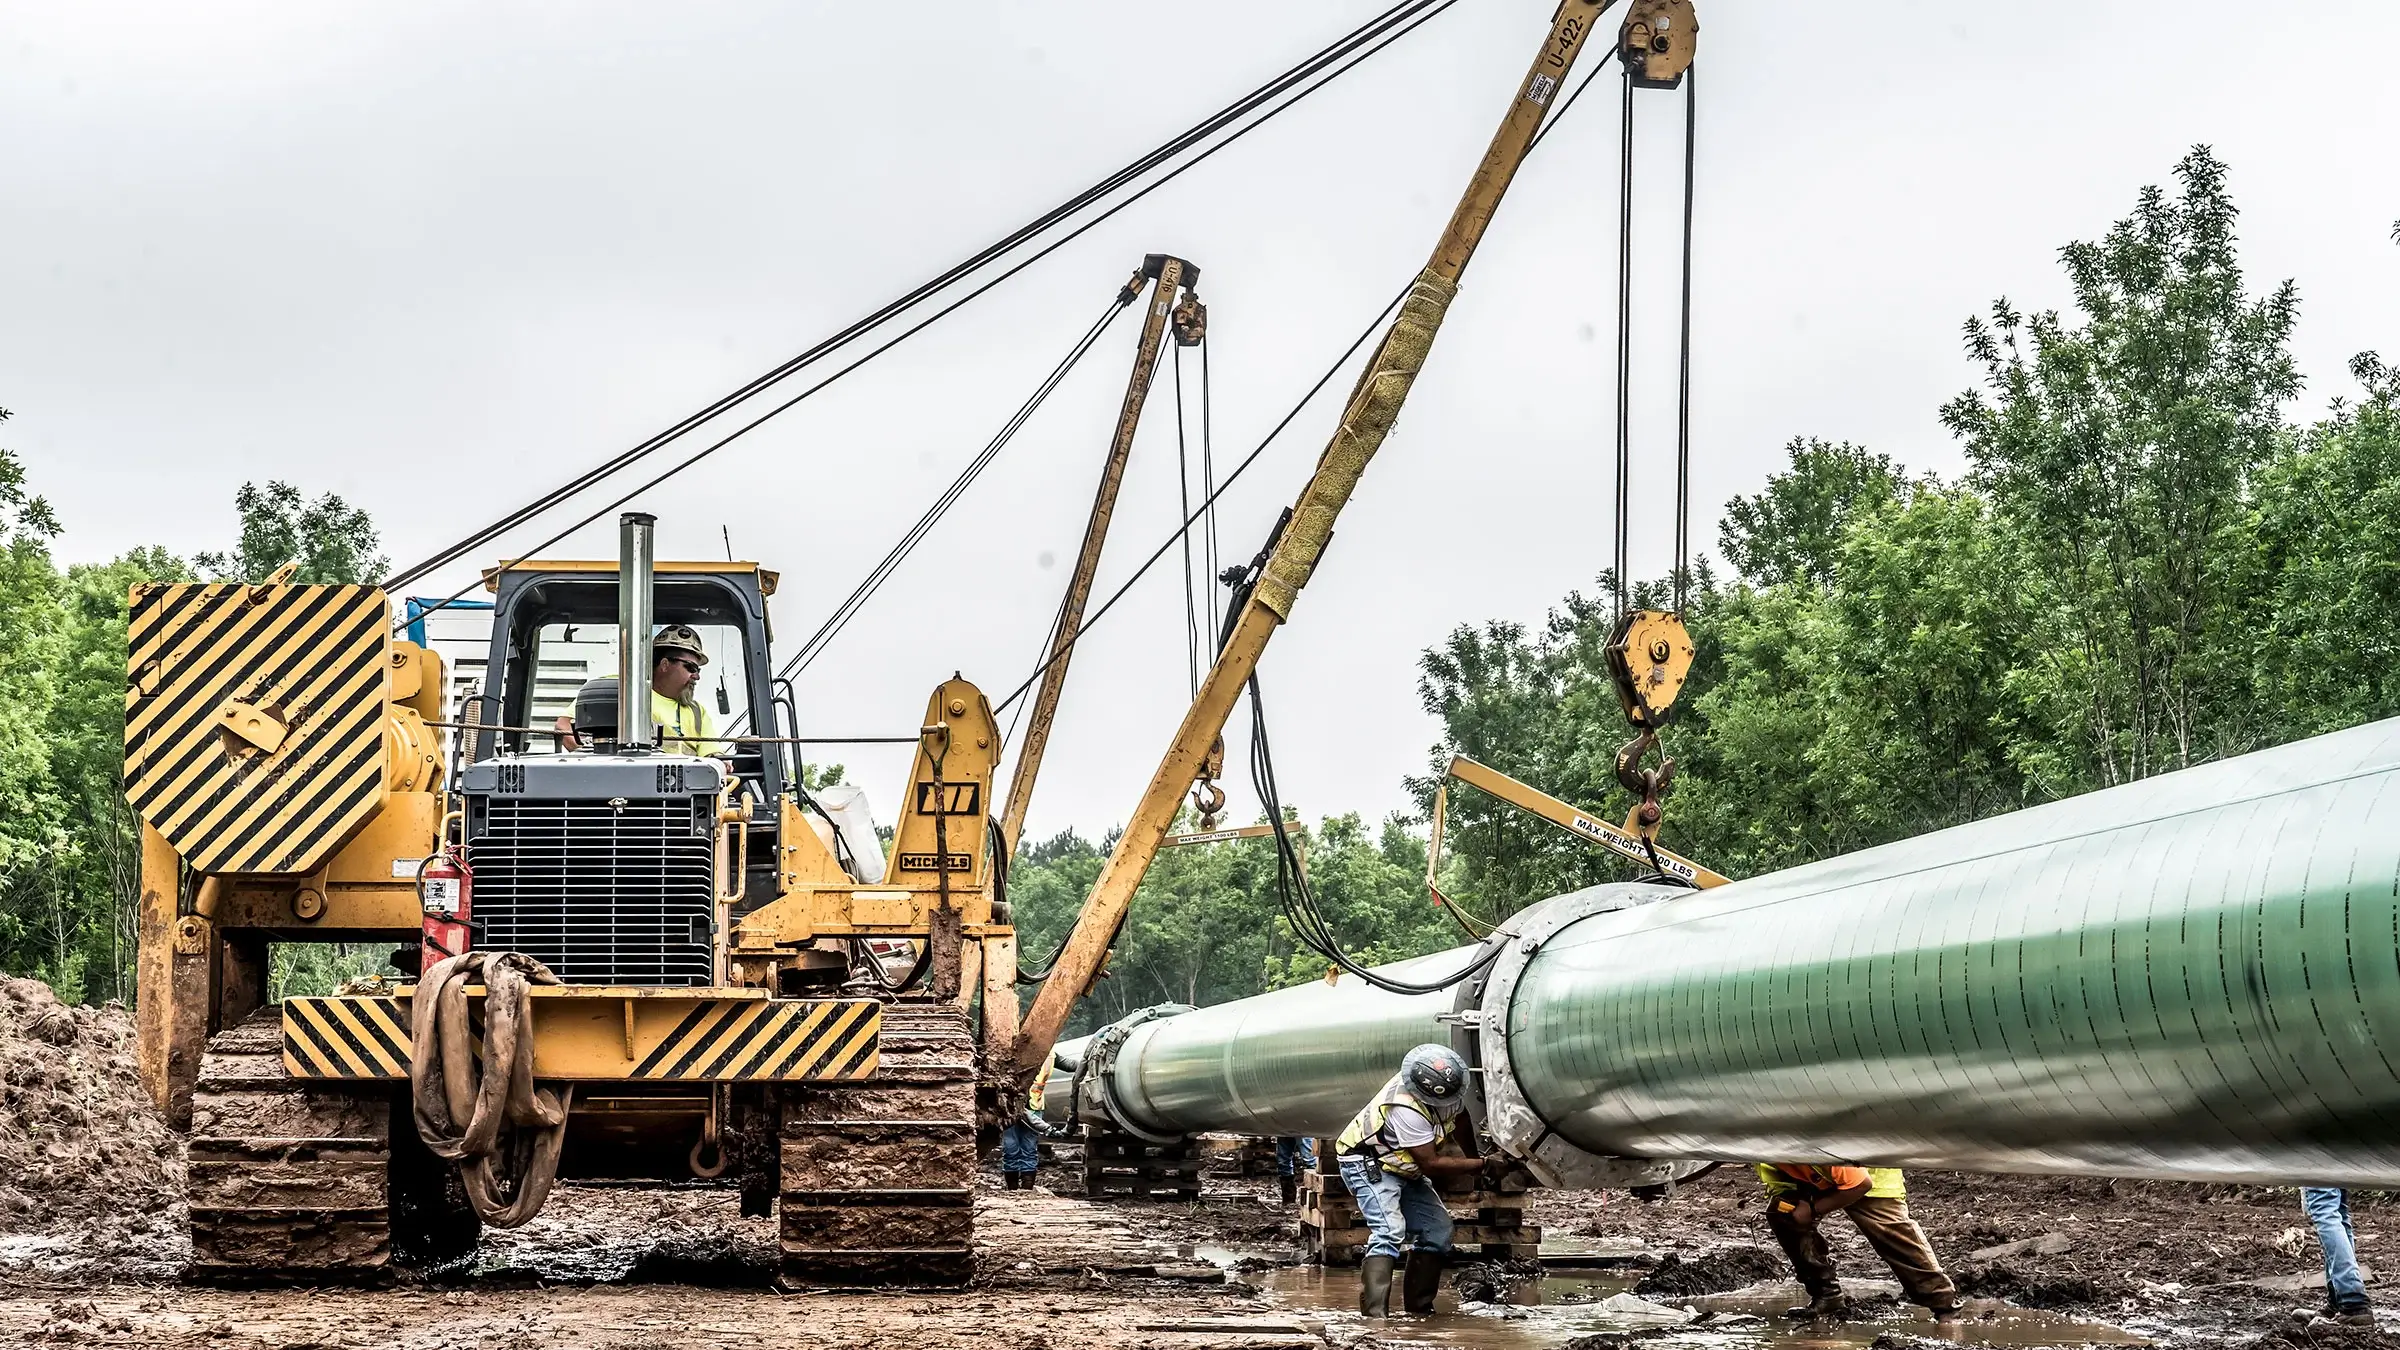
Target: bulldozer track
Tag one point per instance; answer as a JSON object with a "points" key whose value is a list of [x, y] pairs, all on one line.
{"points": [[878, 1177], [290, 1180]]}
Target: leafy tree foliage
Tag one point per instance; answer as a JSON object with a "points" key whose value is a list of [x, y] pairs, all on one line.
{"points": [[69, 846], [2120, 448], [1793, 530], [332, 541]]}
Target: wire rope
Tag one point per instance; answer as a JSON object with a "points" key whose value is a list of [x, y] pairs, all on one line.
{"points": [[1057, 651], [1322, 67], [1622, 562], [1060, 650], [1683, 369], [1183, 492], [1300, 909], [1210, 561], [842, 614]]}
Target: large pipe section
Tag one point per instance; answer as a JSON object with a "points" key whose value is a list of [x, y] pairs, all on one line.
{"points": [[2196, 976]]}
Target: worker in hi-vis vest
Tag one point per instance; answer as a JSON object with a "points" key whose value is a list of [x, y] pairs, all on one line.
{"points": [[1801, 1195], [1387, 1154]]}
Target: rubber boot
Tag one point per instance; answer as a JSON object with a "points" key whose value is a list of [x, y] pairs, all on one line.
{"points": [[1375, 1286], [1824, 1307], [1422, 1281], [1290, 1187]]}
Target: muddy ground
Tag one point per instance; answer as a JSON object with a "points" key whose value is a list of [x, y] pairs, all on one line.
{"points": [[91, 1247], [2174, 1262], [609, 1266]]}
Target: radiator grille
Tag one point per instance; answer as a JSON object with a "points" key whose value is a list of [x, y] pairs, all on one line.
{"points": [[602, 892]]}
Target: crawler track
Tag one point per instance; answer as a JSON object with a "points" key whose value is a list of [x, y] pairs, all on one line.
{"points": [[290, 1182], [878, 1177]]}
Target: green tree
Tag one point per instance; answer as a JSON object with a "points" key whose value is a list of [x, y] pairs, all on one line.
{"points": [[1792, 531], [87, 763], [2321, 552], [332, 541], [36, 929], [2120, 448]]}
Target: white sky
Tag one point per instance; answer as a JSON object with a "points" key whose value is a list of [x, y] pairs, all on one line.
{"points": [[437, 258]]}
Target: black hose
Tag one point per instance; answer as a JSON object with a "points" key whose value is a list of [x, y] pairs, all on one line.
{"points": [[1300, 908]]}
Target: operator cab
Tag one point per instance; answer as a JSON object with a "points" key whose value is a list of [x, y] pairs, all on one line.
{"points": [[599, 860], [554, 630]]}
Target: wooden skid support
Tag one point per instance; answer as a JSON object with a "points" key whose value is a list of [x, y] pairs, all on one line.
{"points": [[1244, 1156], [1119, 1165], [1488, 1223]]}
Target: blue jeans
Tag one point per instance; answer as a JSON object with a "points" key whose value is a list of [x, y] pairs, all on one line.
{"points": [[2329, 1210], [1020, 1149], [1293, 1156], [1396, 1208]]}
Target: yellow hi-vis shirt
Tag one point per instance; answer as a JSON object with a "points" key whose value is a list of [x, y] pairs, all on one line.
{"points": [[1883, 1183], [1366, 1132], [675, 719]]}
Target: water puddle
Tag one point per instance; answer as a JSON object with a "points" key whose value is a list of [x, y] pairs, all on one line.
{"points": [[1564, 1305]]}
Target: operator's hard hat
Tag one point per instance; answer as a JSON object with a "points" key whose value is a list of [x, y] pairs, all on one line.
{"points": [[1437, 1076], [676, 637]]}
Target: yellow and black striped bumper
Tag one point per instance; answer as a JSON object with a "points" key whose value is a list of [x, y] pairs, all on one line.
{"points": [[587, 1034]]}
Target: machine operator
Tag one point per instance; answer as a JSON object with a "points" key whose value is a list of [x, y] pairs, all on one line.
{"points": [[676, 656], [1387, 1154]]}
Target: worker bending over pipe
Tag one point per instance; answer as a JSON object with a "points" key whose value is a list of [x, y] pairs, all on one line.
{"points": [[1387, 1153]]}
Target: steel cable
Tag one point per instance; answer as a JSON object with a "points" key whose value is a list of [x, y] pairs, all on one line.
{"points": [[1300, 909], [865, 590], [1624, 466], [1168, 544], [1324, 66], [1208, 503], [1683, 371], [1183, 494]]}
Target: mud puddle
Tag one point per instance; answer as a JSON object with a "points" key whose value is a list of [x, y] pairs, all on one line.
{"points": [[603, 1235], [1561, 1308]]}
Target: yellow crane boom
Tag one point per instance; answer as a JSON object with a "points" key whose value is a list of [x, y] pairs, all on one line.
{"points": [[1366, 420], [1170, 276], [1533, 801]]}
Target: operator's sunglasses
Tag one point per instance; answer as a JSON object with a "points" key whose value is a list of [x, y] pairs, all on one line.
{"points": [[692, 666]]}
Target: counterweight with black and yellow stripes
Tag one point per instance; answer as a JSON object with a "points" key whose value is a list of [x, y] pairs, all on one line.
{"points": [[255, 720], [595, 1034]]}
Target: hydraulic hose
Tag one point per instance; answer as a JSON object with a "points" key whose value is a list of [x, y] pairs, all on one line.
{"points": [[495, 1096]]}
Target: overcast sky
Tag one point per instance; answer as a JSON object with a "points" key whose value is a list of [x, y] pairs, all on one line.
{"points": [[439, 257]]}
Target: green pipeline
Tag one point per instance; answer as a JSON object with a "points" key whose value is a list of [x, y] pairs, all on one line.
{"points": [[2194, 976]]}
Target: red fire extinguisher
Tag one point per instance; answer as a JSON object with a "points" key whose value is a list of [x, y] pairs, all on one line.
{"points": [[444, 890]]}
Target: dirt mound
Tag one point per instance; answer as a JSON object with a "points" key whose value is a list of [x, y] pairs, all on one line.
{"points": [[1716, 1272], [79, 1142]]}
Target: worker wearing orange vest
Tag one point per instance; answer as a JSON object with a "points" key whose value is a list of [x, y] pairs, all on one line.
{"points": [[1800, 1195]]}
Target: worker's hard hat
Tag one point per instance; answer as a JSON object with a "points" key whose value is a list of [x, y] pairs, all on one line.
{"points": [[1437, 1076], [676, 637]]}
